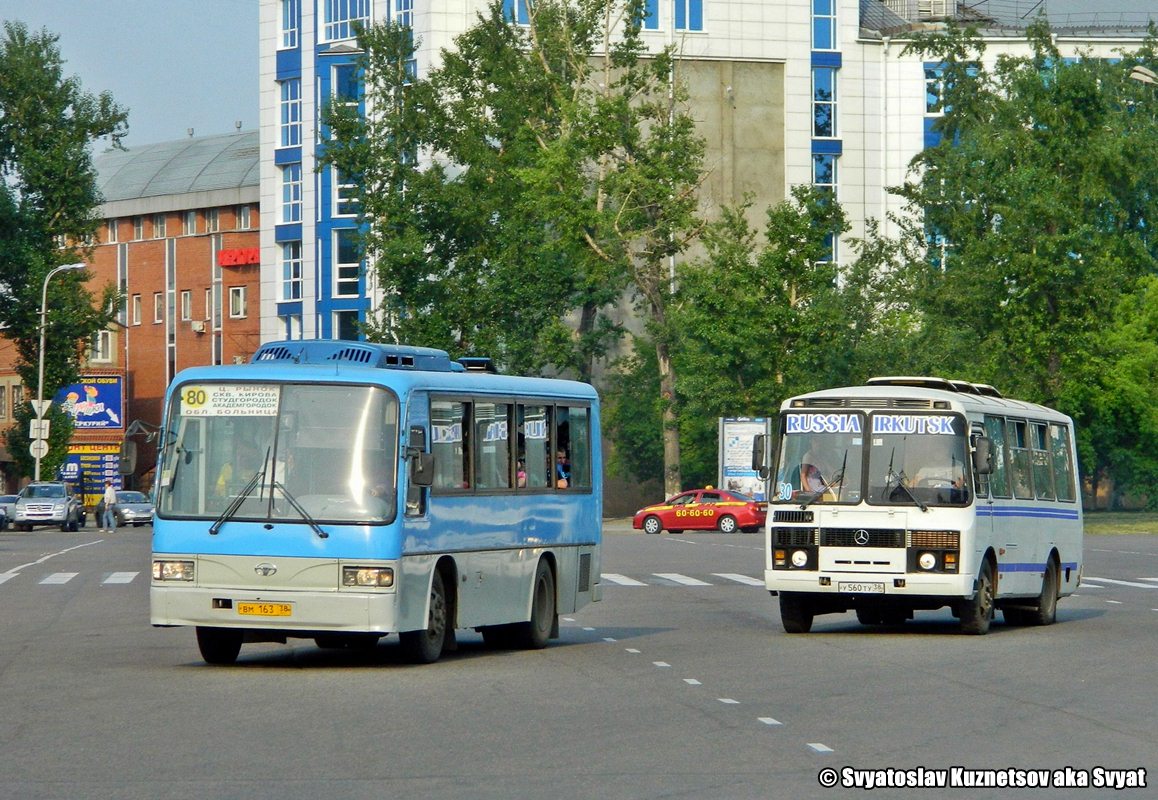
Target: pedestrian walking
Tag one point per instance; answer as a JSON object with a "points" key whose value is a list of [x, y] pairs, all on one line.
{"points": [[109, 519]]}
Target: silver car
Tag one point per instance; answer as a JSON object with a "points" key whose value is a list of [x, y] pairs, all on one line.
{"points": [[132, 508], [48, 503]]}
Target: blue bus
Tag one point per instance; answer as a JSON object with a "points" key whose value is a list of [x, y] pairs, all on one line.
{"points": [[343, 491]]}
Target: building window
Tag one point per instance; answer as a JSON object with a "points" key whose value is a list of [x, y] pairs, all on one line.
{"points": [[934, 90], [291, 193], [212, 221], [3, 402], [824, 102], [347, 264], [135, 309], [111, 231], [288, 17], [186, 305], [208, 304], [158, 226], [291, 113], [244, 218], [238, 308], [517, 11], [823, 24], [339, 17], [158, 307], [824, 178], [404, 13], [346, 202], [689, 15], [291, 270], [346, 325], [101, 347], [188, 223], [138, 228]]}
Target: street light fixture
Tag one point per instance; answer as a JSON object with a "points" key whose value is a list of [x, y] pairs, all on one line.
{"points": [[1144, 75], [40, 369]]}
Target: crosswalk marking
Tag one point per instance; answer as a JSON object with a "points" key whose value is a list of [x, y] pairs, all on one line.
{"points": [[683, 580], [1119, 583], [59, 577], [621, 580], [744, 579], [7, 576], [121, 577]]}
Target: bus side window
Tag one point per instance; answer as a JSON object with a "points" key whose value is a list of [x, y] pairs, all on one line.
{"points": [[1042, 469], [575, 440], [999, 477], [1020, 459], [450, 433], [1063, 472]]}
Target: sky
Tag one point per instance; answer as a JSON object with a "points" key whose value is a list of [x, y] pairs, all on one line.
{"points": [[180, 64]]}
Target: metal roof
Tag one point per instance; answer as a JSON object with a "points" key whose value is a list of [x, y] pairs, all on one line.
{"points": [[201, 164]]}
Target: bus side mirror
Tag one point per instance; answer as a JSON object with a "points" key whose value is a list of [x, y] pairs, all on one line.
{"points": [[759, 442], [128, 458], [421, 462], [982, 455]]}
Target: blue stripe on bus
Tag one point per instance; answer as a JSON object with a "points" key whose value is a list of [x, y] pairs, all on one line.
{"points": [[1012, 567], [1027, 511]]}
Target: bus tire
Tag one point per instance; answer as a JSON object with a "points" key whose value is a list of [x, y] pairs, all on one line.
{"points": [[795, 612], [727, 524], [534, 634], [425, 646], [219, 645], [652, 525], [977, 612], [1046, 611]]}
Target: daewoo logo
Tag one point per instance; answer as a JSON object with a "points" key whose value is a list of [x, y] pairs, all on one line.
{"points": [[265, 570], [861, 537]]}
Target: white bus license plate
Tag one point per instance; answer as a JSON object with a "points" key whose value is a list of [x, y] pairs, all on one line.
{"points": [[860, 588]]}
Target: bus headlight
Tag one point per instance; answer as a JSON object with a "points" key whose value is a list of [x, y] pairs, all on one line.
{"points": [[800, 558], [927, 560], [368, 576], [173, 570]]}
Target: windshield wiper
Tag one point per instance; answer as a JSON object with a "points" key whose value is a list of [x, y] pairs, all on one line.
{"points": [[242, 496], [298, 508], [901, 484], [837, 481]]}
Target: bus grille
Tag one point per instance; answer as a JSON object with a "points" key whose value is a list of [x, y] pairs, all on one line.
{"points": [[847, 537], [793, 537], [862, 402], [935, 540], [792, 516]]}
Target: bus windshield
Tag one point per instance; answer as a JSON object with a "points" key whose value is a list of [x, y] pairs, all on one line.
{"points": [[273, 451], [911, 460]]}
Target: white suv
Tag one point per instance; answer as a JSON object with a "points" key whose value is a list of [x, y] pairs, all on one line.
{"points": [[48, 503]]}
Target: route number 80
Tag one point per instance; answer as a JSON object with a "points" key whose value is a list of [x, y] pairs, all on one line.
{"points": [[194, 397]]}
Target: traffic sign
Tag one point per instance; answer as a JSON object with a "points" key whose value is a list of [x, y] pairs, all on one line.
{"points": [[40, 406], [39, 448], [38, 428]]}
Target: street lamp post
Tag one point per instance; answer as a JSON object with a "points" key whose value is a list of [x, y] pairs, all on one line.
{"points": [[40, 367]]}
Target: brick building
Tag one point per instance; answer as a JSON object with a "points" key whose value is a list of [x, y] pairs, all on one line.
{"points": [[180, 241]]}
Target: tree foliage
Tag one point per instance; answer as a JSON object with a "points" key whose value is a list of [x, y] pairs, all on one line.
{"points": [[48, 195], [1042, 192]]}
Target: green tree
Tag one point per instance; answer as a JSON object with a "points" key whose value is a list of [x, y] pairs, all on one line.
{"points": [[48, 196], [558, 169], [1039, 208]]}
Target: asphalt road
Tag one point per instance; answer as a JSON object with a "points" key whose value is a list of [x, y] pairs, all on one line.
{"points": [[679, 684]]}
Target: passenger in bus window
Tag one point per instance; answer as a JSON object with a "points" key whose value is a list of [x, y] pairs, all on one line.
{"points": [[562, 470], [521, 474]]}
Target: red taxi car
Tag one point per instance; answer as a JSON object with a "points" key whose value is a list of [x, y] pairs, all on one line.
{"points": [[703, 509]]}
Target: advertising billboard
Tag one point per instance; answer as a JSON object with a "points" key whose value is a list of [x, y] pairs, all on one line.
{"points": [[736, 473], [96, 403]]}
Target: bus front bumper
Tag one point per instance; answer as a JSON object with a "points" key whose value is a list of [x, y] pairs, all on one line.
{"points": [[288, 611]]}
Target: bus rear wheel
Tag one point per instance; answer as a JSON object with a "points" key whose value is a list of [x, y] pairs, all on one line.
{"points": [[534, 634], [219, 645], [977, 613], [425, 646], [795, 612]]}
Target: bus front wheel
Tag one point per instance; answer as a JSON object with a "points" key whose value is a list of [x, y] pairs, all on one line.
{"points": [[219, 645], [795, 612], [425, 646], [977, 612]]}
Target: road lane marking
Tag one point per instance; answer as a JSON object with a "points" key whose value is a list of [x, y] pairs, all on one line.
{"points": [[631, 650], [1119, 583], [121, 577], [41, 560], [728, 701], [59, 577], [621, 580], [744, 579], [683, 580], [692, 682], [661, 664], [769, 721], [820, 747]]}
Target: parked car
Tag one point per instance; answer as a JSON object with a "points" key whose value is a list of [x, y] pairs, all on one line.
{"points": [[48, 503], [7, 509], [131, 508], [703, 509]]}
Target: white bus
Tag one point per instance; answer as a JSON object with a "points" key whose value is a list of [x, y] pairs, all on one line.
{"points": [[910, 494]]}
